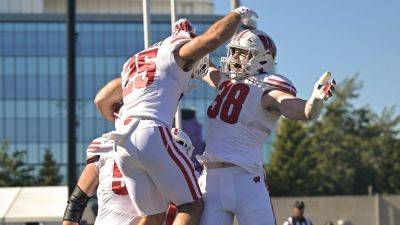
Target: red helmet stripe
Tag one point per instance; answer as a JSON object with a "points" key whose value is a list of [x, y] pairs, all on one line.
{"points": [[241, 34], [268, 45]]}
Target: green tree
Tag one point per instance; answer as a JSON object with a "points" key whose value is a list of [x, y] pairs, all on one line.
{"points": [[49, 173], [13, 170], [336, 142], [344, 152], [314, 158], [292, 164], [386, 152]]}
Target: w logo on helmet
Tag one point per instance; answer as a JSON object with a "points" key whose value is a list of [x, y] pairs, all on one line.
{"points": [[268, 44]]}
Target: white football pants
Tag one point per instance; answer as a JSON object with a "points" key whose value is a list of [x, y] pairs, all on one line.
{"points": [[229, 192]]}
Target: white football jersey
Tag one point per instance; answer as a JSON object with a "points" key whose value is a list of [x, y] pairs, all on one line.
{"points": [[112, 194], [238, 124], [153, 83]]}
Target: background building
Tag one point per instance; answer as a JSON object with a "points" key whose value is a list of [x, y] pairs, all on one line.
{"points": [[188, 7], [33, 66]]}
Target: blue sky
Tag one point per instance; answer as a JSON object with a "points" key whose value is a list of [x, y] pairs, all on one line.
{"points": [[344, 37]]}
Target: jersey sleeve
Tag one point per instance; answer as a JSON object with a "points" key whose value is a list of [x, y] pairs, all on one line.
{"points": [[176, 41], [279, 82], [91, 155], [166, 59], [97, 148]]}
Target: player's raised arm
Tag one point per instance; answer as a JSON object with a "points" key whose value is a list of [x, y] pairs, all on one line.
{"points": [[109, 95], [284, 101], [216, 35]]}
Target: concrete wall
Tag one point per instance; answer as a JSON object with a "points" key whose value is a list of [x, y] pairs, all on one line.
{"points": [[357, 209], [389, 210], [21, 205], [26, 205]]}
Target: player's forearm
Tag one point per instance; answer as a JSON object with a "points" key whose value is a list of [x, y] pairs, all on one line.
{"points": [[222, 30], [89, 180], [313, 108], [79, 198], [293, 108], [215, 36]]}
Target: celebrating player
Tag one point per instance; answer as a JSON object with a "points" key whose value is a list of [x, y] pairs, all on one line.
{"points": [[151, 84], [102, 173], [244, 113]]}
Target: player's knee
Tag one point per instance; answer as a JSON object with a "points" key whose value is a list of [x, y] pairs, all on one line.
{"points": [[156, 219], [194, 208]]}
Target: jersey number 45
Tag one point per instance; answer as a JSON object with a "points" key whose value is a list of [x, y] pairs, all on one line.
{"points": [[137, 65]]}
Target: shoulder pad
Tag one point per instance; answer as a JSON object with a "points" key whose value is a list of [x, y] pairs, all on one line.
{"points": [[279, 82], [99, 146], [177, 40]]}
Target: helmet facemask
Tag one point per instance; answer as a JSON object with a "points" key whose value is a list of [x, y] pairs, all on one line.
{"points": [[199, 70], [236, 65]]}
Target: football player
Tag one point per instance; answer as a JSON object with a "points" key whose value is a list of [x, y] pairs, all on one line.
{"points": [[151, 84], [246, 109], [102, 174]]}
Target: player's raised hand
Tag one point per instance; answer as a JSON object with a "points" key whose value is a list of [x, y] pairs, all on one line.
{"points": [[324, 87], [183, 25], [246, 14]]}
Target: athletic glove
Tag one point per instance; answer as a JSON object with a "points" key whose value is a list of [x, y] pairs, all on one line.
{"points": [[324, 88], [246, 14]]}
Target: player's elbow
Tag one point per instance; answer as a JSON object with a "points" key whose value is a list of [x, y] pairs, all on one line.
{"points": [[101, 102], [98, 101]]}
